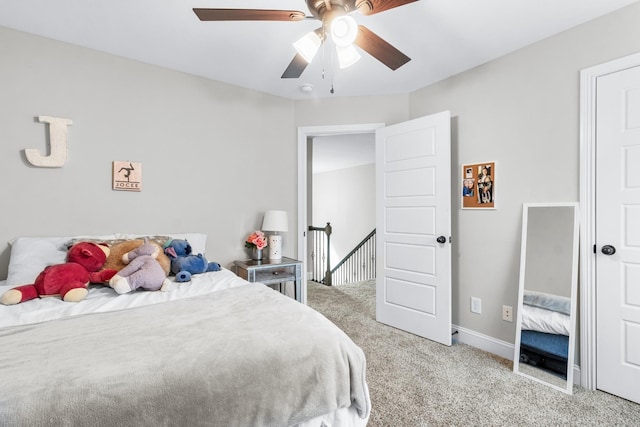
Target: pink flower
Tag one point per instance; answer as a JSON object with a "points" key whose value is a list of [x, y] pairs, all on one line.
{"points": [[256, 239]]}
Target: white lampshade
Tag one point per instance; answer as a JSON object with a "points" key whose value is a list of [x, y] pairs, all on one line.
{"points": [[308, 45], [347, 55], [344, 30], [275, 221]]}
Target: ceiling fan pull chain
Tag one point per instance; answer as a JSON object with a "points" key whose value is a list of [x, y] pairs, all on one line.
{"points": [[323, 58]]}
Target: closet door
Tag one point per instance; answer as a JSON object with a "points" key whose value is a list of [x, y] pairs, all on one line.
{"points": [[618, 233]]}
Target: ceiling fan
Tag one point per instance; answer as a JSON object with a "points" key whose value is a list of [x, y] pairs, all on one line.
{"points": [[336, 22]]}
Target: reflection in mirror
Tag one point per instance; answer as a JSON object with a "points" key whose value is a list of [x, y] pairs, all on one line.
{"points": [[545, 332]]}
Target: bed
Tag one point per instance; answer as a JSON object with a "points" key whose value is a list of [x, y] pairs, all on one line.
{"points": [[217, 351], [544, 339]]}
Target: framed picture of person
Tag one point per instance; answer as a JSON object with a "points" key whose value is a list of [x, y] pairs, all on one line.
{"points": [[478, 186]]}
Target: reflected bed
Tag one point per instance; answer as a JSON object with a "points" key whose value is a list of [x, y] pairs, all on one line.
{"points": [[544, 341]]}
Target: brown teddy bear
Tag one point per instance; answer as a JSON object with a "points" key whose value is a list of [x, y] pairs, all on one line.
{"points": [[143, 271], [118, 250]]}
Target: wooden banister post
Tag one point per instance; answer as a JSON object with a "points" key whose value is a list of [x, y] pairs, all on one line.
{"points": [[327, 277]]}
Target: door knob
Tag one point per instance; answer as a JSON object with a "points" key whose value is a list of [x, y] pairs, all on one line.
{"points": [[441, 239], [608, 250]]}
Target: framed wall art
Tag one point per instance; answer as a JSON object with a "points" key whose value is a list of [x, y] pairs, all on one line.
{"points": [[479, 186], [127, 176]]}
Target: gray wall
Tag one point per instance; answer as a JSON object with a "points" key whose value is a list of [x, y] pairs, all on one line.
{"points": [[355, 110], [347, 199], [207, 149], [522, 111], [549, 250]]}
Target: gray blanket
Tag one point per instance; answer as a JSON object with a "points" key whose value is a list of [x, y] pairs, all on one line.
{"points": [[547, 301], [246, 356]]}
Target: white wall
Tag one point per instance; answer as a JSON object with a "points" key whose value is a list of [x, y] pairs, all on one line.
{"points": [[207, 149], [347, 199]]}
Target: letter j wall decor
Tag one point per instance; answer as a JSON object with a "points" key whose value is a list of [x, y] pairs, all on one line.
{"points": [[127, 176]]}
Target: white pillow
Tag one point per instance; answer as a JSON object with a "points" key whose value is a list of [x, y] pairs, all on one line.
{"points": [[198, 241], [30, 255], [542, 320]]}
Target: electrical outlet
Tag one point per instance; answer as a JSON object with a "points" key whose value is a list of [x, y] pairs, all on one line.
{"points": [[476, 305], [507, 313]]}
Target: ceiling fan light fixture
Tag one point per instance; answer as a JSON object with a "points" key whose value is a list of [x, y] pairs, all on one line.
{"points": [[344, 30], [347, 55], [307, 46]]}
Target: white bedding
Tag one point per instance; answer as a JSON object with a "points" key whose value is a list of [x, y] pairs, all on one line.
{"points": [[30, 255], [103, 299], [542, 320]]}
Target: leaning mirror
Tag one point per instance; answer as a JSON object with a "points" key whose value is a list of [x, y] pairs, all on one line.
{"points": [[546, 318]]}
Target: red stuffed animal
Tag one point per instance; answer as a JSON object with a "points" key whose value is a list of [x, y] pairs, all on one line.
{"points": [[69, 280]]}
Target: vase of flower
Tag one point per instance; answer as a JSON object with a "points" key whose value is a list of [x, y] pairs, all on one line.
{"points": [[256, 254], [256, 242]]}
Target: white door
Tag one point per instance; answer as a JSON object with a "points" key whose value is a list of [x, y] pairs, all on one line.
{"points": [[413, 226], [618, 233]]}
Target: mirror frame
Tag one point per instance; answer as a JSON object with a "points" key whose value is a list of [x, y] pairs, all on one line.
{"points": [[574, 287]]}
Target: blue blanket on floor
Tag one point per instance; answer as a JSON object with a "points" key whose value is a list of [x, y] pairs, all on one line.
{"points": [[552, 344]]}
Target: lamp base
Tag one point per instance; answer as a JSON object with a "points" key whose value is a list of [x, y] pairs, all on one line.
{"points": [[275, 247]]}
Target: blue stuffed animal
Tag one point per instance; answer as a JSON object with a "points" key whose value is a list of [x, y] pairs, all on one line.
{"points": [[184, 263]]}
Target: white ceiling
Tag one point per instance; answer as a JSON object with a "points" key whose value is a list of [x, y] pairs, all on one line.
{"points": [[442, 38]]}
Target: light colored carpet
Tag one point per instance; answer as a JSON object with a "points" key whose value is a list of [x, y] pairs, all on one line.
{"points": [[416, 382]]}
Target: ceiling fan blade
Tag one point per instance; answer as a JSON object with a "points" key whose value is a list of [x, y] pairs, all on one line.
{"points": [[248, 15], [295, 68], [369, 7], [375, 46]]}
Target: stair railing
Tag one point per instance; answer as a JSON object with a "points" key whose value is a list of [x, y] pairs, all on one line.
{"points": [[359, 264]]}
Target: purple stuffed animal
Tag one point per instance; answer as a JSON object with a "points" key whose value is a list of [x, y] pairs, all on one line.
{"points": [[143, 271]]}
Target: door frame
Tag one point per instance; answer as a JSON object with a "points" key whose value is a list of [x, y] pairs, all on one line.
{"points": [[588, 87], [304, 133]]}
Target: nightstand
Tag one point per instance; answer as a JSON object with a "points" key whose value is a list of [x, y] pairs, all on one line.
{"points": [[272, 272]]}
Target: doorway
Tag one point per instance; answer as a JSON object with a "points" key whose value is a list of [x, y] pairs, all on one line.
{"points": [[413, 186], [305, 137], [342, 192]]}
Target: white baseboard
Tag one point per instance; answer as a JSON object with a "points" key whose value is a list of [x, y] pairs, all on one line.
{"points": [[577, 378], [484, 342], [495, 346]]}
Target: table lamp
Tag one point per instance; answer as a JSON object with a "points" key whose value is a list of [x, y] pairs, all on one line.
{"points": [[275, 221]]}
